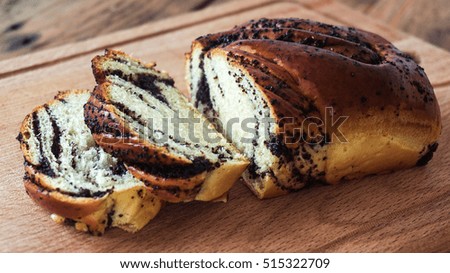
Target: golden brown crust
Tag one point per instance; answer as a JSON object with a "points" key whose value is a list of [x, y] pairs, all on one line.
{"points": [[62, 204], [338, 45], [170, 189], [129, 209], [24, 134], [350, 87], [97, 61]]}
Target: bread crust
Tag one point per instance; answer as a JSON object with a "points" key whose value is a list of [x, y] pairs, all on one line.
{"points": [[129, 209], [170, 189], [98, 71], [60, 203]]}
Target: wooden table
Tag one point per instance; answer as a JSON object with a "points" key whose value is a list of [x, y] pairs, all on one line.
{"points": [[407, 211]]}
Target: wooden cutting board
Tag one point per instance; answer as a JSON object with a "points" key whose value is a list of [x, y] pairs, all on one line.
{"points": [[406, 211]]}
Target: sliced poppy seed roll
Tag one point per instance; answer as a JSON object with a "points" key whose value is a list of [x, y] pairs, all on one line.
{"points": [[67, 173], [136, 114]]}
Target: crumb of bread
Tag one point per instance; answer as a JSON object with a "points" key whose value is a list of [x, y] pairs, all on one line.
{"points": [[57, 219]]}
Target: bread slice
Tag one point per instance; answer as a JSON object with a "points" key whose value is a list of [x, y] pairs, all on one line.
{"points": [[67, 173], [136, 114]]}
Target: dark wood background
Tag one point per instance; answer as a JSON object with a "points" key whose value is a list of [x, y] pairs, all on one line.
{"points": [[31, 25]]}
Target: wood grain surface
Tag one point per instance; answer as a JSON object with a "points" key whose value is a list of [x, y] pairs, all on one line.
{"points": [[27, 26], [406, 211], [429, 20]]}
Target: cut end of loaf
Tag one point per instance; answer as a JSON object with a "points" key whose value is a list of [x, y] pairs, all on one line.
{"points": [[277, 167], [294, 68]]}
